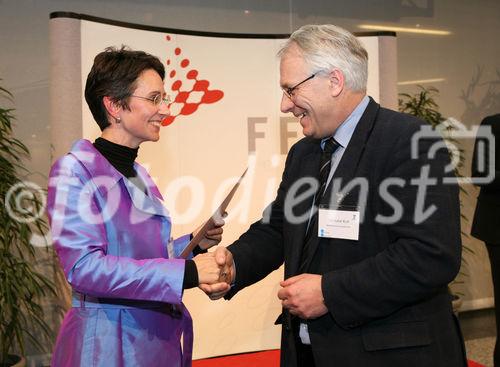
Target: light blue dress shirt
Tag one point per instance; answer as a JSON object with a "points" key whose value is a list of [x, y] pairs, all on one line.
{"points": [[343, 135]]}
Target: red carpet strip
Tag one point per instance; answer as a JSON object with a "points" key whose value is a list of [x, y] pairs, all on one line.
{"points": [[267, 358]]}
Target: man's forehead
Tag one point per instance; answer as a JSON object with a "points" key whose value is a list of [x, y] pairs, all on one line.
{"points": [[292, 51], [292, 66]]}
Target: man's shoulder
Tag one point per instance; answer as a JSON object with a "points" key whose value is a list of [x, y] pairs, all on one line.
{"points": [[398, 120], [492, 120], [305, 146], [495, 117]]}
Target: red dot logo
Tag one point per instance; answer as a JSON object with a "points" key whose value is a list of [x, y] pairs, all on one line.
{"points": [[182, 92]]}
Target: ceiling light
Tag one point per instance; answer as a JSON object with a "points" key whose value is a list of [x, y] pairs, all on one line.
{"points": [[375, 27], [421, 81]]}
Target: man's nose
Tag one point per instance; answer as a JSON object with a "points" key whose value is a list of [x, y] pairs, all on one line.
{"points": [[286, 103]]}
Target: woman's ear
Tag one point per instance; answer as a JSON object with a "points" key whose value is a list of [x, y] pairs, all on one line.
{"points": [[337, 81], [112, 108]]}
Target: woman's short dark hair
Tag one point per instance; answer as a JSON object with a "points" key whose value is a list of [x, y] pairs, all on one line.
{"points": [[114, 74]]}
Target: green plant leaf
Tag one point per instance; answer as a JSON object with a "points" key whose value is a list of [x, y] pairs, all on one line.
{"points": [[22, 287]]}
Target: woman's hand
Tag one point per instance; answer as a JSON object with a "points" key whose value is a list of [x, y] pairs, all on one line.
{"points": [[213, 236]]}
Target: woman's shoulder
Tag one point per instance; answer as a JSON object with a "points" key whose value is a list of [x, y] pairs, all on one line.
{"points": [[81, 153]]}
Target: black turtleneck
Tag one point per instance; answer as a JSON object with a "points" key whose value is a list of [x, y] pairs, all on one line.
{"points": [[122, 158]]}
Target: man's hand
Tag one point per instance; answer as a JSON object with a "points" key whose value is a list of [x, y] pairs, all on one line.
{"points": [[302, 296], [224, 260]]}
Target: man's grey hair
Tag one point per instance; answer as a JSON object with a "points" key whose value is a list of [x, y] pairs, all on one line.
{"points": [[327, 47]]}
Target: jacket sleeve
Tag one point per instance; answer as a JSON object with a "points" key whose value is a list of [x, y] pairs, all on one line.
{"points": [[260, 250], [80, 239], [179, 244]]}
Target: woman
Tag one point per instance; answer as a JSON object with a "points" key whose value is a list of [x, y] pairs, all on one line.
{"points": [[112, 233]]}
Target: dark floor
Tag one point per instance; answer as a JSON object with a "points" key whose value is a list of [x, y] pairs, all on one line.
{"points": [[477, 324]]}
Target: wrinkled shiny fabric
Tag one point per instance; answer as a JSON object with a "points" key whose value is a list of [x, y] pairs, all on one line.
{"points": [[114, 244]]}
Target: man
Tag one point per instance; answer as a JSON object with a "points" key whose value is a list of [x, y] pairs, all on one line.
{"points": [[365, 275], [486, 224]]}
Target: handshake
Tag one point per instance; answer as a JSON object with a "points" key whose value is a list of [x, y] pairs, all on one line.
{"points": [[302, 294], [216, 272]]}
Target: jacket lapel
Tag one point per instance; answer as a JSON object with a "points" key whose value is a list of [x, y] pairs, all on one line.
{"points": [[309, 167], [148, 202], [348, 165], [102, 172]]}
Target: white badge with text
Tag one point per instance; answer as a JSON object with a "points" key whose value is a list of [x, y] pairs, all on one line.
{"points": [[338, 223]]}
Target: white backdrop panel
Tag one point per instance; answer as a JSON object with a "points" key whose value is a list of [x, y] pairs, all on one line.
{"points": [[200, 154]]}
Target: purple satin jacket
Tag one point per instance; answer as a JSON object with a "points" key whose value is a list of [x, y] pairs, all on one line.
{"points": [[114, 245]]}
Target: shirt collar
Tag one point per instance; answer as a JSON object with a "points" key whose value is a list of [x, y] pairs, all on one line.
{"points": [[98, 166], [344, 132]]}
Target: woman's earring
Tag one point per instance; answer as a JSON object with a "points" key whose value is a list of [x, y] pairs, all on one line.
{"points": [[118, 120]]}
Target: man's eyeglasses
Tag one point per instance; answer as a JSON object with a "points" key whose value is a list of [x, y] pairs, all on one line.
{"points": [[290, 91], [156, 100]]}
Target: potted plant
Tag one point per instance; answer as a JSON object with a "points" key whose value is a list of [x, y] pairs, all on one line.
{"points": [[424, 106], [22, 287]]}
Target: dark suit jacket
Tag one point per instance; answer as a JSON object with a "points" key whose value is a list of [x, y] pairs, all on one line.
{"points": [[486, 224], [387, 292]]}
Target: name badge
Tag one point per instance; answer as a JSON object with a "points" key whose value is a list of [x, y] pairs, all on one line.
{"points": [[342, 223]]}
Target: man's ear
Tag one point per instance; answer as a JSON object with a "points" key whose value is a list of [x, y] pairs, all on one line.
{"points": [[337, 81], [112, 108]]}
